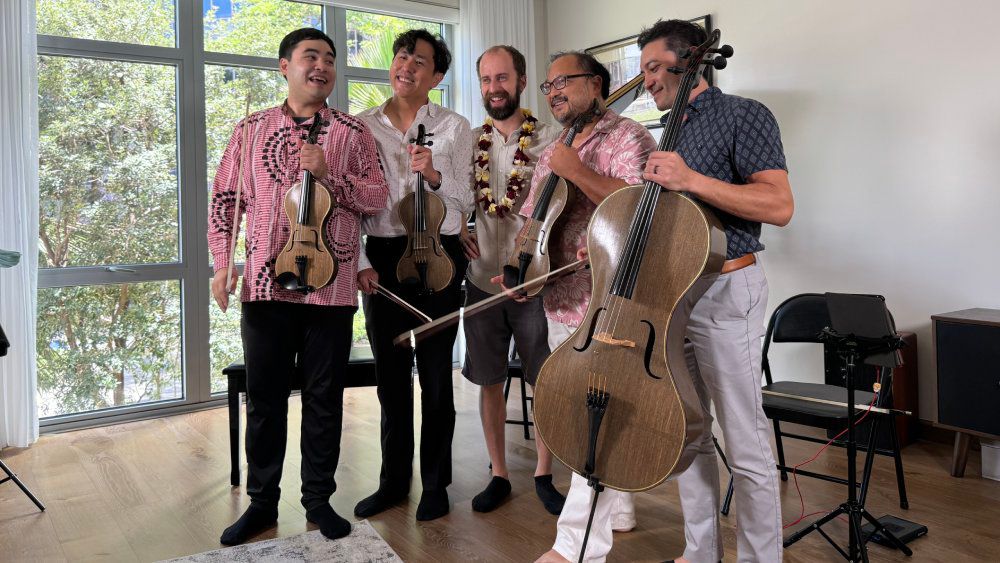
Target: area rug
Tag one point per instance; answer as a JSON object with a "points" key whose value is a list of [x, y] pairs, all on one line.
{"points": [[363, 545]]}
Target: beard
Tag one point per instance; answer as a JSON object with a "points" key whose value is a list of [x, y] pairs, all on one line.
{"points": [[571, 113], [506, 110]]}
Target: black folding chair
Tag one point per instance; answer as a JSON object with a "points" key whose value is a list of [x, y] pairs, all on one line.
{"points": [[516, 369], [801, 319]]}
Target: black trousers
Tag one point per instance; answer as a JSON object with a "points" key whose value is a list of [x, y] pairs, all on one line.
{"points": [[393, 365], [274, 333]]}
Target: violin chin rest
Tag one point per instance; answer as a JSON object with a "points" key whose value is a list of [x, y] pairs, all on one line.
{"points": [[291, 282], [512, 277]]}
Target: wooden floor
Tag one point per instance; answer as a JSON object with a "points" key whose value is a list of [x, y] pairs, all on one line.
{"points": [[159, 489]]}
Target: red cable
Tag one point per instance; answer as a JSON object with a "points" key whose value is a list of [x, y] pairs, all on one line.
{"points": [[795, 479]]}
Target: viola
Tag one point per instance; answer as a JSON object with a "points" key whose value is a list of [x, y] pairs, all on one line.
{"points": [[530, 258], [306, 264], [425, 267], [616, 402]]}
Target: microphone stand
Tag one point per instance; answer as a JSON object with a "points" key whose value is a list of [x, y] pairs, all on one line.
{"points": [[852, 349]]}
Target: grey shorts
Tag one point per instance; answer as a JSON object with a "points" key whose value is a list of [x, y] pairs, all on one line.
{"points": [[487, 339]]}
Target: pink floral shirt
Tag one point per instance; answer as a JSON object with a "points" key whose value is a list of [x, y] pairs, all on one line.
{"points": [[617, 147], [355, 181]]}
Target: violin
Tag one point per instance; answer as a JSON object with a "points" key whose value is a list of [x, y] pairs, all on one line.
{"points": [[530, 258], [306, 263], [616, 402], [425, 267]]}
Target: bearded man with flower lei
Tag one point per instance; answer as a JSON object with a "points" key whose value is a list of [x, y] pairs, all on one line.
{"points": [[509, 144]]}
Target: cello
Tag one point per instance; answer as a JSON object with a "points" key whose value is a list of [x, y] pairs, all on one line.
{"points": [[425, 267], [306, 264], [616, 402], [530, 258]]}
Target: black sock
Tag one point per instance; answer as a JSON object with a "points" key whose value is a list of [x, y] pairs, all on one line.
{"points": [[492, 495], [552, 499], [331, 524], [433, 504], [378, 502], [256, 519]]}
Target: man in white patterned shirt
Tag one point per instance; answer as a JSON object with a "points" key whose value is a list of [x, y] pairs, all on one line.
{"points": [[507, 148], [419, 64]]}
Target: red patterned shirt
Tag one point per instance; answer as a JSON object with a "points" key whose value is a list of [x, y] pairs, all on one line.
{"points": [[618, 148], [355, 181]]}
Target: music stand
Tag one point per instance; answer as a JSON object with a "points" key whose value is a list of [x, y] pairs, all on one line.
{"points": [[11, 476], [861, 330]]}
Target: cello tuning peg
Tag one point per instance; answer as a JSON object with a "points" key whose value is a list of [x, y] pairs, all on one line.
{"points": [[428, 143], [718, 62], [428, 134], [725, 51]]}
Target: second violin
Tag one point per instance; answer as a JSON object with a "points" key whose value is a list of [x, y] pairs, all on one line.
{"points": [[425, 267]]}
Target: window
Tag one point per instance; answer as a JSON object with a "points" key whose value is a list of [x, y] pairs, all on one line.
{"points": [[108, 181], [370, 37], [369, 55], [142, 22], [103, 346], [133, 119], [254, 27]]}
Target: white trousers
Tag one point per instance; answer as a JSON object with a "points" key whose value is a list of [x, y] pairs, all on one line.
{"points": [[617, 512], [724, 356]]}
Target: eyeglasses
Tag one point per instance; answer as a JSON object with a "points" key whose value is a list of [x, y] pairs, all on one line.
{"points": [[560, 82]]}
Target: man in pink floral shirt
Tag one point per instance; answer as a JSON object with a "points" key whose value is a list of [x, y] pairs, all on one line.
{"points": [[608, 154], [279, 325]]}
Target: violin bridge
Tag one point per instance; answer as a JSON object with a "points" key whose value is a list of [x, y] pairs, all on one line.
{"points": [[606, 338]]}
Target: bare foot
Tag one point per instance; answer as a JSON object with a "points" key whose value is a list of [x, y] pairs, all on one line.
{"points": [[552, 556]]}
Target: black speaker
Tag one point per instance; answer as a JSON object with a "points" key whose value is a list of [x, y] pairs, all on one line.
{"points": [[968, 370]]}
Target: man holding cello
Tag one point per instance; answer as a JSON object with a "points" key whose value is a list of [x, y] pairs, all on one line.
{"points": [[730, 157], [607, 154], [264, 161]]}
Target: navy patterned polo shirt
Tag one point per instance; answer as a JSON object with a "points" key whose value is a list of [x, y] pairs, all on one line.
{"points": [[729, 138]]}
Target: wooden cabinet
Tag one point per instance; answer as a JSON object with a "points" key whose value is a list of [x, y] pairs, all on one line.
{"points": [[967, 344]]}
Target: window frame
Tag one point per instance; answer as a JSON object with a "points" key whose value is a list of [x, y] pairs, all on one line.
{"points": [[193, 268]]}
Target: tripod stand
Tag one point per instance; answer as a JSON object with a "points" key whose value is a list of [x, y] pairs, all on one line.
{"points": [[13, 477], [852, 314], [3, 466]]}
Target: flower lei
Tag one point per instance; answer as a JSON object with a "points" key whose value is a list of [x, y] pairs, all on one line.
{"points": [[515, 181]]}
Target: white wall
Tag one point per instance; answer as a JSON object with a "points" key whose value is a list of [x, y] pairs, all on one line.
{"points": [[891, 138]]}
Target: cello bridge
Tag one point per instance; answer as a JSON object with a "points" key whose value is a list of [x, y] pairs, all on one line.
{"points": [[606, 338]]}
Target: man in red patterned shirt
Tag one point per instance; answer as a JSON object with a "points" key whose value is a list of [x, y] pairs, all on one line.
{"points": [[279, 325]]}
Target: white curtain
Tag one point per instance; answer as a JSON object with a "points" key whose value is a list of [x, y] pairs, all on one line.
{"points": [[18, 220], [482, 24]]}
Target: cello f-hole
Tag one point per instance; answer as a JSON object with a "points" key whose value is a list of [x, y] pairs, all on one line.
{"points": [[650, 345], [590, 331]]}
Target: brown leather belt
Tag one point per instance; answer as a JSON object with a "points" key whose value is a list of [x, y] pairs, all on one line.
{"points": [[738, 263]]}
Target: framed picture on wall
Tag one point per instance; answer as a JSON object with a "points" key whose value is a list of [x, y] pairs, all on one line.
{"points": [[621, 57]]}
